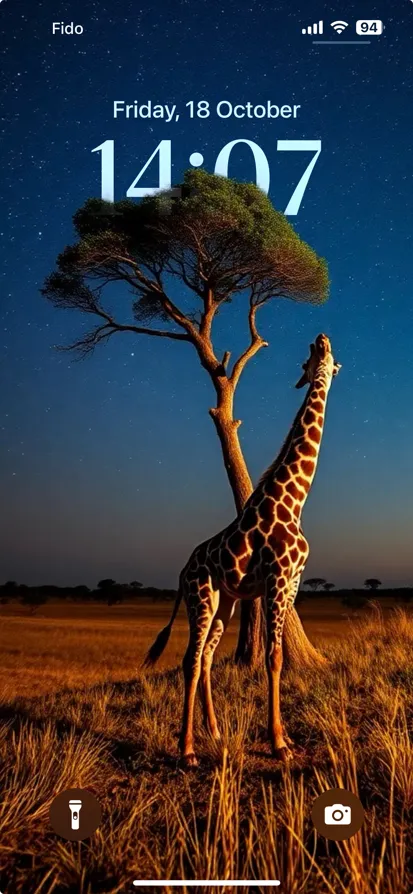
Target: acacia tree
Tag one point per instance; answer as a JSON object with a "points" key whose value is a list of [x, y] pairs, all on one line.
{"points": [[107, 583], [372, 583], [220, 240], [315, 582]]}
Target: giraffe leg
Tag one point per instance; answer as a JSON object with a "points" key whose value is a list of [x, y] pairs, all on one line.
{"points": [[224, 613], [277, 603], [201, 610], [294, 587]]}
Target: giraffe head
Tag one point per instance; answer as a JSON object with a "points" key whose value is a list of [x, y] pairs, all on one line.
{"points": [[320, 356]]}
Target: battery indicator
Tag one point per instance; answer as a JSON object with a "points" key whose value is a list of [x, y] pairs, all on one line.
{"points": [[369, 26]]}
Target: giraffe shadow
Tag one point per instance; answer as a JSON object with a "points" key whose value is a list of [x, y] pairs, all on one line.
{"points": [[126, 748], [121, 715]]}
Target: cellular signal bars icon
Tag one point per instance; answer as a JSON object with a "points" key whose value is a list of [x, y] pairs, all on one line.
{"points": [[313, 29]]}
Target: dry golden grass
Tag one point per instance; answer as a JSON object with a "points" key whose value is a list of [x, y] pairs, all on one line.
{"points": [[75, 645], [240, 814]]}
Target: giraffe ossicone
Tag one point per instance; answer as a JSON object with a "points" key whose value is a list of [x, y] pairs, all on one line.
{"points": [[262, 553]]}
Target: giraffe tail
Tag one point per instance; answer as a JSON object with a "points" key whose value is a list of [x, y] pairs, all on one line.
{"points": [[161, 641]]}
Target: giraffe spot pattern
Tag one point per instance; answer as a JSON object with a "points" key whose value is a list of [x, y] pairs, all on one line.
{"points": [[283, 513], [267, 509], [317, 406], [315, 434], [275, 490], [236, 542], [232, 578], [227, 560], [292, 491], [249, 519], [309, 416], [301, 482], [203, 575], [257, 540], [288, 501], [283, 474], [308, 449], [267, 555], [243, 563]]}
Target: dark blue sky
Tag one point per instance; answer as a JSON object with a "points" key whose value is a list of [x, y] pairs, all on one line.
{"points": [[111, 467]]}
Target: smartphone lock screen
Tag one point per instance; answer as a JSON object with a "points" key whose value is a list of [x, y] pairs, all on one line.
{"points": [[206, 465]]}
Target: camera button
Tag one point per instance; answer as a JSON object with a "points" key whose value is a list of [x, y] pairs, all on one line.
{"points": [[337, 814]]}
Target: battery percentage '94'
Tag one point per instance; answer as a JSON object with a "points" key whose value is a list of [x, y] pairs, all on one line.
{"points": [[369, 26]]}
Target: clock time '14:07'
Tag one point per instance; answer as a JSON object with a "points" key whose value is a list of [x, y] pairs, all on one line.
{"points": [[164, 153]]}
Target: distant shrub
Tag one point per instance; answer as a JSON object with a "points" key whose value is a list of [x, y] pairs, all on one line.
{"points": [[354, 600], [314, 582], [33, 598], [372, 583]]}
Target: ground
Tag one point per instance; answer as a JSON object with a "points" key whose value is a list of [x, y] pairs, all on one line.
{"points": [[77, 711]]}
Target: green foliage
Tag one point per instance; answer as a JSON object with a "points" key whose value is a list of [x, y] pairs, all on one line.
{"points": [[221, 235]]}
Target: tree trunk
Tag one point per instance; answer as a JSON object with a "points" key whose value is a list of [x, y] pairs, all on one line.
{"points": [[298, 650], [251, 638]]}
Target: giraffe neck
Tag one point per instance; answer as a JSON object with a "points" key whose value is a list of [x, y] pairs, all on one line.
{"points": [[293, 471]]}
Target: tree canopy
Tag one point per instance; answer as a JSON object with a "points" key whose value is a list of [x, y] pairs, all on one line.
{"points": [[220, 239]]}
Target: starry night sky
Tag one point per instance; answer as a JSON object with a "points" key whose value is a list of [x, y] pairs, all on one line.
{"points": [[111, 466]]}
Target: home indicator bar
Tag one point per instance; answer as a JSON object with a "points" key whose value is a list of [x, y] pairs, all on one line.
{"points": [[212, 883]]}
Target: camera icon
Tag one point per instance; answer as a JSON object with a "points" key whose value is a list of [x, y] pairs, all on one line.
{"points": [[337, 815]]}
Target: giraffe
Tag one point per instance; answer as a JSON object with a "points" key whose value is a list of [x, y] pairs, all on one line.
{"points": [[263, 552]]}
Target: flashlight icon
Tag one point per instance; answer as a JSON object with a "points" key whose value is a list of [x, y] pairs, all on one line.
{"points": [[75, 808]]}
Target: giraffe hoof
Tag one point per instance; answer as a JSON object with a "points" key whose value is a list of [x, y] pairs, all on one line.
{"points": [[283, 754], [188, 761], [216, 736]]}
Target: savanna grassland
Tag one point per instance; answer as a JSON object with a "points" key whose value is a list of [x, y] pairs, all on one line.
{"points": [[76, 711]]}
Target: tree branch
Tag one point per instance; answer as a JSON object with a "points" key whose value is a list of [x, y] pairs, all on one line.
{"points": [[155, 286], [254, 346], [210, 309], [226, 358], [87, 344]]}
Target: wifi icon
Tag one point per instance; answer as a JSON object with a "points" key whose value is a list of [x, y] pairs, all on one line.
{"points": [[339, 27]]}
